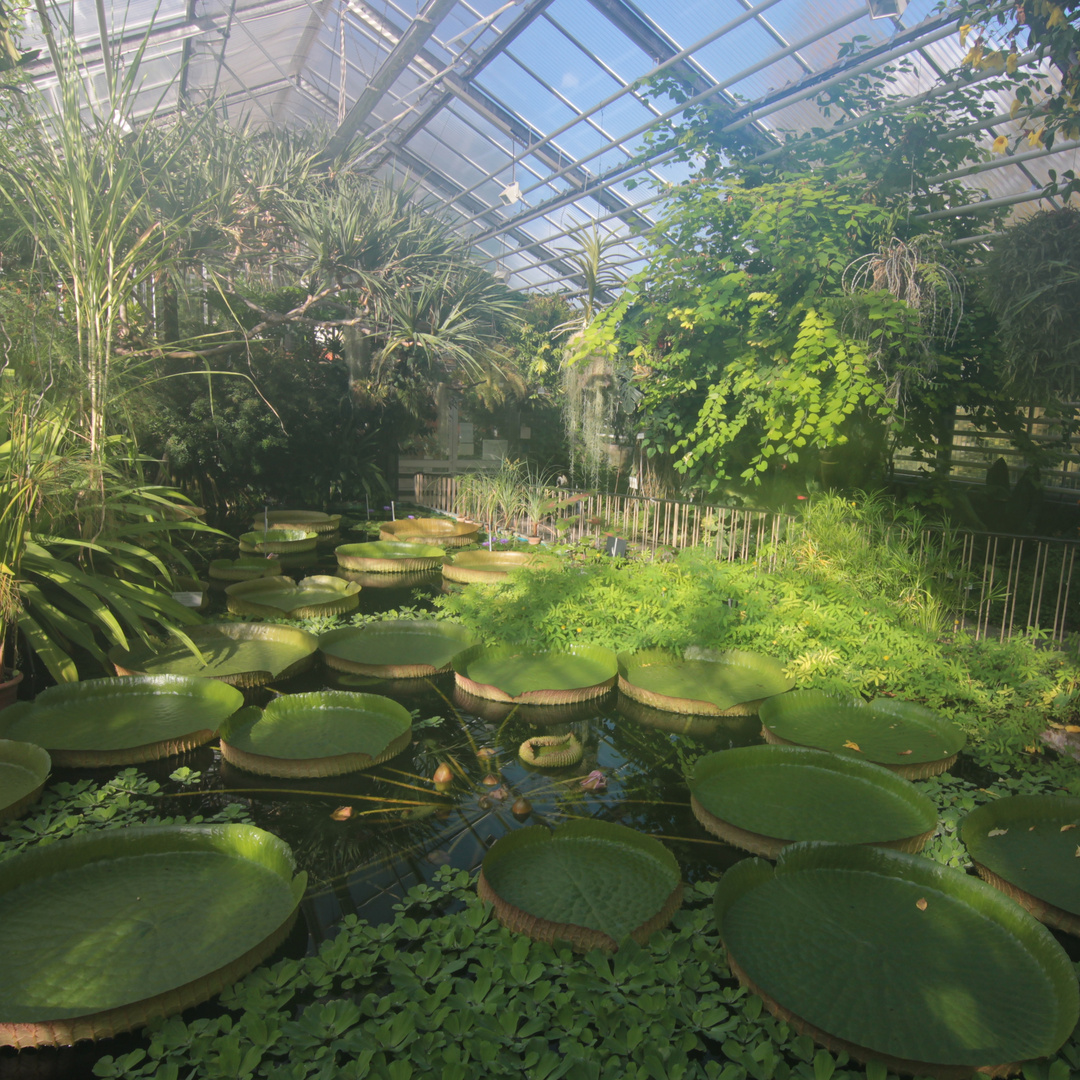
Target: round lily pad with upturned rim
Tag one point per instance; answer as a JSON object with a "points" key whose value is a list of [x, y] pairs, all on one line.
{"points": [[590, 883], [389, 556], [478, 567], [277, 597], [442, 531], [325, 733], [738, 730], [537, 676], [893, 957], [902, 736], [309, 520], [245, 568], [495, 712], [242, 654], [1028, 846], [551, 751], [104, 931], [122, 721], [412, 579], [279, 541], [395, 648], [763, 798], [24, 768], [704, 682]]}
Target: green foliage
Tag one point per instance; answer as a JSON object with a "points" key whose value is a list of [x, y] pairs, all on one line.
{"points": [[219, 440], [1033, 285], [742, 365], [436, 994], [852, 607], [129, 798], [1047, 105]]}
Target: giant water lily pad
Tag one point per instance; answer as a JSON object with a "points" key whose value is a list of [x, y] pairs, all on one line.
{"points": [[104, 931], [479, 567], [540, 677], [413, 579], [122, 721], [442, 531], [24, 768], [736, 730], [894, 957], [242, 654], [1028, 846], [307, 520], [903, 736], [278, 541], [273, 597], [245, 568], [591, 883], [703, 682], [762, 798], [326, 733], [389, 557], [395, 648], [543, 716]]}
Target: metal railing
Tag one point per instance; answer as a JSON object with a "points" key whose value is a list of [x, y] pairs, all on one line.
{"points": [[1004, 585]]}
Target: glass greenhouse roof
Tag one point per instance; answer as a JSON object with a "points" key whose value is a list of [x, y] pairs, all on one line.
{"points": [[523, 122]]}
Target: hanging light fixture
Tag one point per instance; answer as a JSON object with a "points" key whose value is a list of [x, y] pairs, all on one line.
{"points": [[512, 192], [886, 9]]}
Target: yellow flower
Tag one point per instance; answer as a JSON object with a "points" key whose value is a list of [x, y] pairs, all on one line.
{"points": [[963, 34], [884, 658], [1001, 144], [1011, 62], [579, 629], [1035, 137], [1057, 17]]}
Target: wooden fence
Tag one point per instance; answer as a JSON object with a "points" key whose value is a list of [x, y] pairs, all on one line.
{"points": [[1003, 585]]}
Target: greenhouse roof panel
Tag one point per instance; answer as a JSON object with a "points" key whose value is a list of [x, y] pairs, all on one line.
{"points": [[524, 120]]}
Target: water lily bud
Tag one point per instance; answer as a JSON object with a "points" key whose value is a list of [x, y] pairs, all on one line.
{"points": [[486, 752], [522, 808], [443, 778], [491, 780]]}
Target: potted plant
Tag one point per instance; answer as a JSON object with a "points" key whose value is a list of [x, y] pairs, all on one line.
{"points": [[536, 504]]}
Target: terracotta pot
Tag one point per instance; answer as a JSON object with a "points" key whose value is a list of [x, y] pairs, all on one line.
{"points": [[9, 688]]}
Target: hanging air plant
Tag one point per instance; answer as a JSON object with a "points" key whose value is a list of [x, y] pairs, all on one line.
{"points": [[905, 349]]}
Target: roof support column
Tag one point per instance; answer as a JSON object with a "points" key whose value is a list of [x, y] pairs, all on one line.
{"points": [[410, 43]]}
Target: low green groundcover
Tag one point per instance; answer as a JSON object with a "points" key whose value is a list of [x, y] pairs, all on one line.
{"points": [[1029, 846], [701, 681], [549, 676], [122, 721], [591, 883], [763, 797], [890, 955], [102, 931], [901, 735], [324, 733], [24, 768]]}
